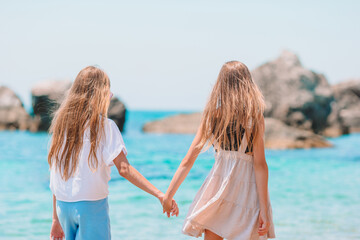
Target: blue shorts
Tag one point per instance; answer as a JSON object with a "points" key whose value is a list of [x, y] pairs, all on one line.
{"points": [[84, 220]]}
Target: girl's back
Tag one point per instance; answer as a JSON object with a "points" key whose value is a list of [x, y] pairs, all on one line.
{"points": [[84, 145], [86, 183], [233, 201]]}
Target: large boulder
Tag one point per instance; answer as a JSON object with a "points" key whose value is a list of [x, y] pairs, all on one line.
{"points": [[347, 105], [182, 124], [281, 136], [47, 97], [117, 112], [12, 112], [277, 134], [293, 94]]}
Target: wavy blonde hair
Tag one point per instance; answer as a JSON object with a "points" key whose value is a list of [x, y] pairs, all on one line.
{"points": [[86, 101], [235, 102]]}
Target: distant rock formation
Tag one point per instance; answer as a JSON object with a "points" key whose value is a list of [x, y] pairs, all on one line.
{"points": [[278, 135], [117, 112], [47, 97], [12, 112], [347, 104], [300, 104], [182, 123], [295, 95]]}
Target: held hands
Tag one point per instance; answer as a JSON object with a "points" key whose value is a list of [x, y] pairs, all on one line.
{"points": [[264, 223], [56, 231], [169, 206]]}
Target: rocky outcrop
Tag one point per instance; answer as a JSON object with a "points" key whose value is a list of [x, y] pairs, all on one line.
{"points": [[281, 136], [47, 97], [12, 112], [277, 134], [182, 123], [117, 112], [300, 104], [293, 94], [347, 104]]}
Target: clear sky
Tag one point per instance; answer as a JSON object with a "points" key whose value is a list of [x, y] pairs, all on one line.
{"points": [[166, 55]]}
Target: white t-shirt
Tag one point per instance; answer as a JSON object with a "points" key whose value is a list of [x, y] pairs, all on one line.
{"points": [[85, 184]]}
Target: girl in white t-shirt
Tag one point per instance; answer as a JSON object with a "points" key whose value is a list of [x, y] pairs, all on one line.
{"points": [[84, 146]]}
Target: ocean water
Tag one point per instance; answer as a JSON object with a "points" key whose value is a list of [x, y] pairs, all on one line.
{"points": [[315, 193]]}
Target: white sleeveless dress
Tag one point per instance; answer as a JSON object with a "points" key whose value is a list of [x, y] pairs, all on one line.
{"points": [[227, 202]]}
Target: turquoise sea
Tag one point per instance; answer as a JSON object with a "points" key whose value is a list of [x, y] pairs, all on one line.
{"points": [[315, 193]]}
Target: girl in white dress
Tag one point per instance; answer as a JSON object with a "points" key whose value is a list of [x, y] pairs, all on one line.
{"points": [[233, 202]]}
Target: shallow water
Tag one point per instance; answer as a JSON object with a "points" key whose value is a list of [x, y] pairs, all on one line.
{"points": [[315, 193]]}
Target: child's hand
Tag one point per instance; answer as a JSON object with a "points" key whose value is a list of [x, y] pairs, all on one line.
{"points": [[170, 207], [264, 224], [56, 232], [174, 209]]}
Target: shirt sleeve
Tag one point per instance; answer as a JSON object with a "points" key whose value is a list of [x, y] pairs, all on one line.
{"points": [[113, 144]]}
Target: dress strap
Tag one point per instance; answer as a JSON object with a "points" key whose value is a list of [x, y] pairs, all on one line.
{"points": [[243, 143]]}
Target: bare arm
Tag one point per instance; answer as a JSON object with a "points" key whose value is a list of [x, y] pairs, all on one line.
{"points": [[261, 168], [56, 230], [55, 217], [132, 175], [261, 176], [182, 171]]}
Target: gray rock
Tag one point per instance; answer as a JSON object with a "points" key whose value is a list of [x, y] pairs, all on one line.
{"points": [[347, 104], [182, 124], [117, 112], [47, 97], [293, 94], [277, 134], [298, 98], [12, 112]]}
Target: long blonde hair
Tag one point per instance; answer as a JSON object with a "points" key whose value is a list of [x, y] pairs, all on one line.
{"points": [[235, 104], [87, 100]]}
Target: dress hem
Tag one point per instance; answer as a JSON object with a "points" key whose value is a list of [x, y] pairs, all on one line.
{"points": [[200, 229]]}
